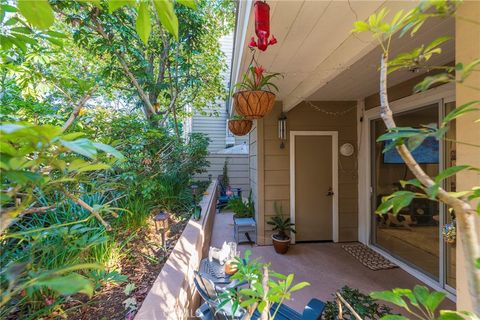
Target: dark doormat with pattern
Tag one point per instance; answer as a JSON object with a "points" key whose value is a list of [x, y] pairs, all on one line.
{"points": [[368, 257]]}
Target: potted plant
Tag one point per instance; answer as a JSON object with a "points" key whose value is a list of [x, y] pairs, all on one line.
{"points": [[254, 98], [282, 226], [240, 208], [239, 126]]}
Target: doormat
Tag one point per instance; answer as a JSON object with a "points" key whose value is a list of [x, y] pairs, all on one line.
{"points": [[368, 257]]}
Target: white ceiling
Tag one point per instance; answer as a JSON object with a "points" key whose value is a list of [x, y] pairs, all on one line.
{"points": [[316, 48], [362, 78]]}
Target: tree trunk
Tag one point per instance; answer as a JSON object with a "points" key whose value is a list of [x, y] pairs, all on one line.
{"points": [[465, 213], [266, 310], [148, 108]]}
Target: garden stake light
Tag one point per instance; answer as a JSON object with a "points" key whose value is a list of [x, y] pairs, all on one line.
{"points": [[161, 224]]}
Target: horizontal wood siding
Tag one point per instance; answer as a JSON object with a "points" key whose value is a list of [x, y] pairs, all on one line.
{"points": [[276, 173], [238, 170], [213, 125]]}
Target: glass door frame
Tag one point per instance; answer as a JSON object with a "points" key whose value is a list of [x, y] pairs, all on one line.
{"points": [[441, 282]]}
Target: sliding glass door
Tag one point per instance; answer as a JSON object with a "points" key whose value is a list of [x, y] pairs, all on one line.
{"points": [[413, 235]]}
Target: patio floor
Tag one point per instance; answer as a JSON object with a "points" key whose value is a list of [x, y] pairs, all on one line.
{"points": [[326, 266]]}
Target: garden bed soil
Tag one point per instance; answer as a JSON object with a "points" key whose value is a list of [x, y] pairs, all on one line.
{"points": [[143, 262]]}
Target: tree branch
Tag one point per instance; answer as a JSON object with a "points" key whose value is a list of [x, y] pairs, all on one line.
{"points": [[465, 213], [87, 207], [78, 108], [37, 209]]}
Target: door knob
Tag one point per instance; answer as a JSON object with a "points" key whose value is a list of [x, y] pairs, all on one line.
{"points": [[330, 192]]}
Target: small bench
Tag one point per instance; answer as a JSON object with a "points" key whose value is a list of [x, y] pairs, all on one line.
{"points": [[245, 230]]}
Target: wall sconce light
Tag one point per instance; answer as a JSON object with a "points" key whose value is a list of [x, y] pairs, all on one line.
{"points": [[282, 129]]}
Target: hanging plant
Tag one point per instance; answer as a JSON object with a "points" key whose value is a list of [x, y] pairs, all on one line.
{"points": [[239, 126], [254, 98]]}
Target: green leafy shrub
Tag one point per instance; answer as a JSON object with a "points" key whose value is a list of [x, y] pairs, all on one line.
{"points": [[225, 181], [241, 208], [420, 303], [364, 305], [35, 247]]}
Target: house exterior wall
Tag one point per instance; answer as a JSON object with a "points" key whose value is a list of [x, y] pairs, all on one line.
{"points": [[237, 166], [273, 181], [213, 125], [467, 35], [256, 165]]}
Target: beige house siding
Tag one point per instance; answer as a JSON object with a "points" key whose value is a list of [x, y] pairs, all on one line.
{"points": [[238, 172], [256, 176], [276, 163], [213, 121], [467, 130], [213, 124]]}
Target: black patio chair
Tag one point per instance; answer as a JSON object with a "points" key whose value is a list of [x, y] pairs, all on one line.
{"points": [[313, 311], [211, 309]]}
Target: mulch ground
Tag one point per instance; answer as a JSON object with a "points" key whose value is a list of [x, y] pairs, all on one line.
{"points": [[143, 262]]}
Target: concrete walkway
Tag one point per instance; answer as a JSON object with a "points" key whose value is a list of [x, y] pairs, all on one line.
{"points": [[326, 266]]}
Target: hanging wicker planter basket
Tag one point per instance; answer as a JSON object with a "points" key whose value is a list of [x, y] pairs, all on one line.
{"points": [[254, 104], [240, 127]]}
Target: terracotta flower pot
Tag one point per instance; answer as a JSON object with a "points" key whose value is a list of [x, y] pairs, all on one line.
{"points": [[240, 127], [280, 246], [254, 104]]}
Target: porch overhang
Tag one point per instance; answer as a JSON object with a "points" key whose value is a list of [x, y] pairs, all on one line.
{"points": [[317, 49]]}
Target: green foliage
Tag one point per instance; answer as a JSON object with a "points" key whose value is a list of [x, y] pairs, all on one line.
{"points": [[256, 79], [281, 224], [420, 303], [143, 23], [42, 157], [472, 106], [413, 138], [160, 73], [33, 245], [167, 16], [364, 305], [278, 289], [225, 180], [38, 13], [72, 199], [240, 208], [418, 56]]}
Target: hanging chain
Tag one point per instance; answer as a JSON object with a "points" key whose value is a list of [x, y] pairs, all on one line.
{"points": [[331, 113]]}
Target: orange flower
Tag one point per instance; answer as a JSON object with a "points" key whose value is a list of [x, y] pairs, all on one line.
{"points": [[258, 73]]}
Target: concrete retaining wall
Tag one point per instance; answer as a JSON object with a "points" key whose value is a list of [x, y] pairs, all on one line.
{"points": [[172, 295]]}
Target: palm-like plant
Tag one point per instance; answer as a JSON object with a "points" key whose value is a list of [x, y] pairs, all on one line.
{"points": [[280, 224], [257, 79]]}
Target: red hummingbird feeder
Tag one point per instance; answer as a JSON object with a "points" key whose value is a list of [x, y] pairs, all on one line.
{"points": [[262, 26]]}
